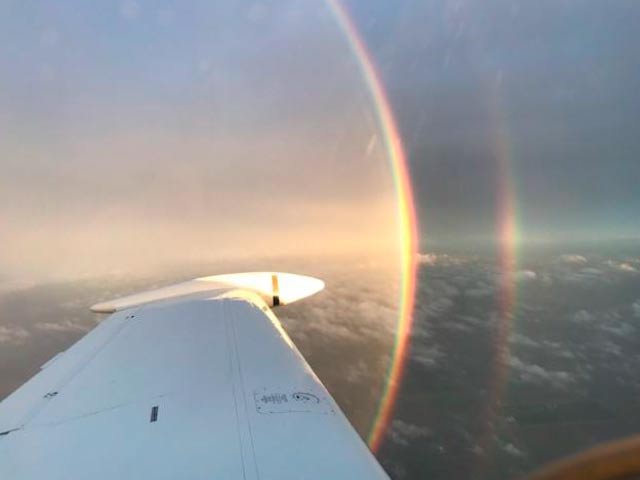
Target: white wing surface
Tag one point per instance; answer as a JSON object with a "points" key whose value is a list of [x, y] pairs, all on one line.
{"points": [[200, 385]]}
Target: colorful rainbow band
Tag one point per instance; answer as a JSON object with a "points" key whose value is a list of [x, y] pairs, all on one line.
{"points": [[406, 214]]}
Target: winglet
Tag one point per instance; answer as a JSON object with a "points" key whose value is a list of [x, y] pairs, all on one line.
{"points": [[275, 288]]}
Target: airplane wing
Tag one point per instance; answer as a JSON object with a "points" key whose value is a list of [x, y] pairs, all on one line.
{"points": [[197, 381]]}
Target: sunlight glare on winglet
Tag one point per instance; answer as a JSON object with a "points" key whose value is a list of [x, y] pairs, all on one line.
{"points": [[275, 288], [280, 288]]}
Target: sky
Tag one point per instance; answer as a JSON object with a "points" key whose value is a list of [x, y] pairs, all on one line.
{"points": [[554, 79], [135, 133], [141, 134]]}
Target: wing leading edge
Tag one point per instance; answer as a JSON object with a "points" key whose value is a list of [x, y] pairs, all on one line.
{"points": [[201, 385]]}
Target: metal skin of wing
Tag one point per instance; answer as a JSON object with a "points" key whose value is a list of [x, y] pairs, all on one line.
{"points": [[199, 384]]}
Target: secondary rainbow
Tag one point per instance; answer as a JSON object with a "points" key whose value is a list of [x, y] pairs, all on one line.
{"points": [[407, 224], [507, 263]]}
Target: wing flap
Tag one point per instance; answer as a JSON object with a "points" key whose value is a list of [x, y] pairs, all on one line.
{"points": [[24, 404]]}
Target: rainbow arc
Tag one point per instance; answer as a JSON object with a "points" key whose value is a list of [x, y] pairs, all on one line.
{"points": [[407, 224]]}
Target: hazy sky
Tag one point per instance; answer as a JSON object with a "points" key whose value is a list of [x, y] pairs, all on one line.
{"points": [[153, 132], [140, 132]]}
